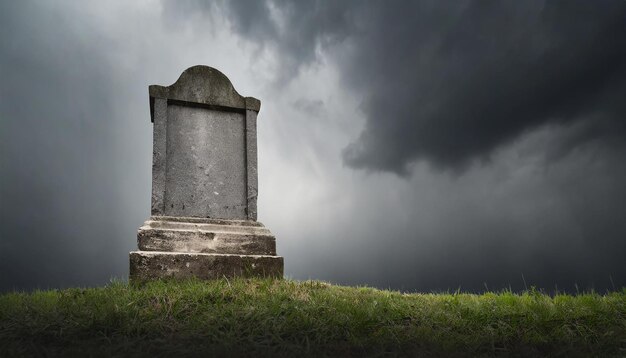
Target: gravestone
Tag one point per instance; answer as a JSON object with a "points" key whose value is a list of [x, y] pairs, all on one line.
{"points": [[204, 185]]}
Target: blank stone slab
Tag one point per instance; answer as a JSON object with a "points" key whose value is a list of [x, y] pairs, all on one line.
{"points": [[206, 163]]}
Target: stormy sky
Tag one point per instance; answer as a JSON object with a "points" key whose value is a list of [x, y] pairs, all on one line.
{"points": [[418, 145]]}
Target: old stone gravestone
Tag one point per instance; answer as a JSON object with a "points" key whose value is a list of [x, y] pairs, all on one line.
{"points": [[204, 185]]}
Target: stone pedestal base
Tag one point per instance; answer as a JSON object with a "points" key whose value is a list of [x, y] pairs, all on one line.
{"points": [[145, 265], [175, 247]]}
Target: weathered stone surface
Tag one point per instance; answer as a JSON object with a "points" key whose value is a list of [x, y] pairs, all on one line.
{"points": [[184, 220], [204, 148], [207, 237], [206, 163], [154, 265], [251, 157], [159, 149], [204, 184], [204, 85]]}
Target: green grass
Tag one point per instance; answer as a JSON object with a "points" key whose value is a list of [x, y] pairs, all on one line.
{"points": [[291, 318]]}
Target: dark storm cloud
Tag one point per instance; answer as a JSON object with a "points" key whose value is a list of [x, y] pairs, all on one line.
{"points": [[449, 82]]}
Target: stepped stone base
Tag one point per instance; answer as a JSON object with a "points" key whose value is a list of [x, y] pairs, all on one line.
{"points": [[179, 247]]}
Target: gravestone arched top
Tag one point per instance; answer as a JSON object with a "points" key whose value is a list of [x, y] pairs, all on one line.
{"points": [[203, 85]]}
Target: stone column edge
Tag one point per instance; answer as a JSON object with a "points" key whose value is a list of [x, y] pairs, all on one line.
{"points": [[251, 164], [159, 156]]}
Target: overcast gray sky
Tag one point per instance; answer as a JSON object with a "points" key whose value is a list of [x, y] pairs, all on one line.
{"points": [[418, 145]]}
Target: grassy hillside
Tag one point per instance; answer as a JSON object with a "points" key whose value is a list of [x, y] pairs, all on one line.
{"points": [[269, 317]]}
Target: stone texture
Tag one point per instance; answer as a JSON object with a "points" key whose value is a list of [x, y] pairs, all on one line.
{"points": [[204, 185], [206, 163], [185, 220], [204, 148], [204, 85], [206, 237], [251, 157], [159, 150], [155, 265]]}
